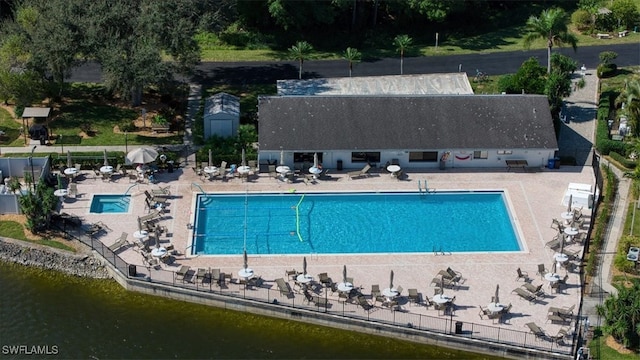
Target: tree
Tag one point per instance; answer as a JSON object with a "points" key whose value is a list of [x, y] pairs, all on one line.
{"points": [[606, 57], [352, 55], [530, 78], [37, 207], [626, 12], [630, 98], [402, 42], [300, 51], [621, 312], [552, 27]]}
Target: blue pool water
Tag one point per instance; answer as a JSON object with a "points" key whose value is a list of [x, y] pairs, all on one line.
{"points": [[353, 223], [110, 204]]}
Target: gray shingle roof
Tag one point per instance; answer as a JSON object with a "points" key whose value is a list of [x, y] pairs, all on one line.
{"points": [[320, 123]]}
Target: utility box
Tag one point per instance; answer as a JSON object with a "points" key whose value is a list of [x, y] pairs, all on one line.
{"points": [[132, 270], [458, 327]]}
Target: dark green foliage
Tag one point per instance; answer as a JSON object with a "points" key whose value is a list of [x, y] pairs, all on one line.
{"points": [[606, 70], [38, 206], [127, 125], [622, 314], [603, 143], [530, 78], [627, 163]]}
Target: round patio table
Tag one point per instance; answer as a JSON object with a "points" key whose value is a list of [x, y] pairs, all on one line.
{"points": [[159, 251], [393, 169], [70, 171], [441, 299], [303, 279], [345, 287], [243, 170], [106, 169], [315, 171], [495, 307], [245, 273]]}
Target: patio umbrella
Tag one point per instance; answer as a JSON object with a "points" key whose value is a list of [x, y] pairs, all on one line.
{"points": [[442, 285], [391, 280], [344, 273], [210, 158], [315, 160], [561, 243], [570, 201], [141, 155], [244, 257], [497, 300], [244, 160], [553, 267], [69, 161], [281, 157], [59, 182], [106, 161], [304, 266]]}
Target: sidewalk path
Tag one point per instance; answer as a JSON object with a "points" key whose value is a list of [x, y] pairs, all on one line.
{"points": [[576, 139]]}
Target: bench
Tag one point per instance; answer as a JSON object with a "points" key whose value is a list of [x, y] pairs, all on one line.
{"points": [[623, 33], [603, 36], [159, 128], [516, 163]]}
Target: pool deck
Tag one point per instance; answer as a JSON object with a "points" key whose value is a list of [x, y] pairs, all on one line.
{"points": [[533, 197]]}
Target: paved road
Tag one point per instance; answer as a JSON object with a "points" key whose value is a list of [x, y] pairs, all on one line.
{"points": [[209, 73]]}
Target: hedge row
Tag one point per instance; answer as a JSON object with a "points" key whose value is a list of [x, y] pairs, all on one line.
{"points": [[603, 143], [629, 164]]}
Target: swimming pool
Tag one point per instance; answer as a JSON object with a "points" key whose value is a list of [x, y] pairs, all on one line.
{"points": [[349, 223], [110, 204]]}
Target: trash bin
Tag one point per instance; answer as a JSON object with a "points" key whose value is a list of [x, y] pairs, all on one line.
{"points": [[132, 270], [552, 163], [458, 327], [442, 164], [556, 164], [170, 166], [339, 165]]}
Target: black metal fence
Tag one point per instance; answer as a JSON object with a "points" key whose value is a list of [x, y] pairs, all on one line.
{"points": [[443, 324]]}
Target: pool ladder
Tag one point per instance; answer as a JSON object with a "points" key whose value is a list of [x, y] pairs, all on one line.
{"points": [[426, 187], [198, 186]]}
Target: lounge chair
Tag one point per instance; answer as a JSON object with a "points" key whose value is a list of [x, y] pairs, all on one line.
{"points": [[215, 276], [571, 254], [363, 172], [183, 271], [96, 228], [156, 214], [444, 281], [563, 311], [364, 304], [201, 274], [283, 286], [536, 330], [320, 301], [522, 275], [121, 241], [553, 244], [524, 294], [554, 318], [162, 192], [535, 290], [560, 336], [414, 296]]}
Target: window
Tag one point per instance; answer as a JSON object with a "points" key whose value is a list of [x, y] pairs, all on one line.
{"points": [[480, 154], [299, 157], [368, 157], [423, 156], [505, 152]]}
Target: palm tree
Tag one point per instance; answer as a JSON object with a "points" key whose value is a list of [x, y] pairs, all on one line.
{"points": [[552, 27], [300, 51], [630, 99], [402, 42], [352, 55], [622, 314]]}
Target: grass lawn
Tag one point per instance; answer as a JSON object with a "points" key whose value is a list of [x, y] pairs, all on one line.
{"points": [[15, 230], [606, 352]]}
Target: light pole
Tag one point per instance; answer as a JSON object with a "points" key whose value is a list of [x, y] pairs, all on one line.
{"points": [[33, 178], [61, 143], [126, 145]]}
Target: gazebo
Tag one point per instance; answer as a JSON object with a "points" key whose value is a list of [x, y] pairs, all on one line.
{"points": [[34, 112]]}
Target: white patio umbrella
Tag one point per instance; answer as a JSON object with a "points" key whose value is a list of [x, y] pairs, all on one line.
{"points": [[281, 157], [69, 160], [246, 260], [244, 160], [570, 201], [106, 161], [315, 160], [210, 158], [497, 300], [553, 267], [304, 266], [141, 155], [442, 285], [59, 181]]}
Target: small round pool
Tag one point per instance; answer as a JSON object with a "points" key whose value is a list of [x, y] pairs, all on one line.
{"points": [[110, 204]]}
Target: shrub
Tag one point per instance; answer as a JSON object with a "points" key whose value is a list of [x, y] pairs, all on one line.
{"points": [[127, 125], [581, 19], [620, 261], [606, 70], [627, 163]]}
